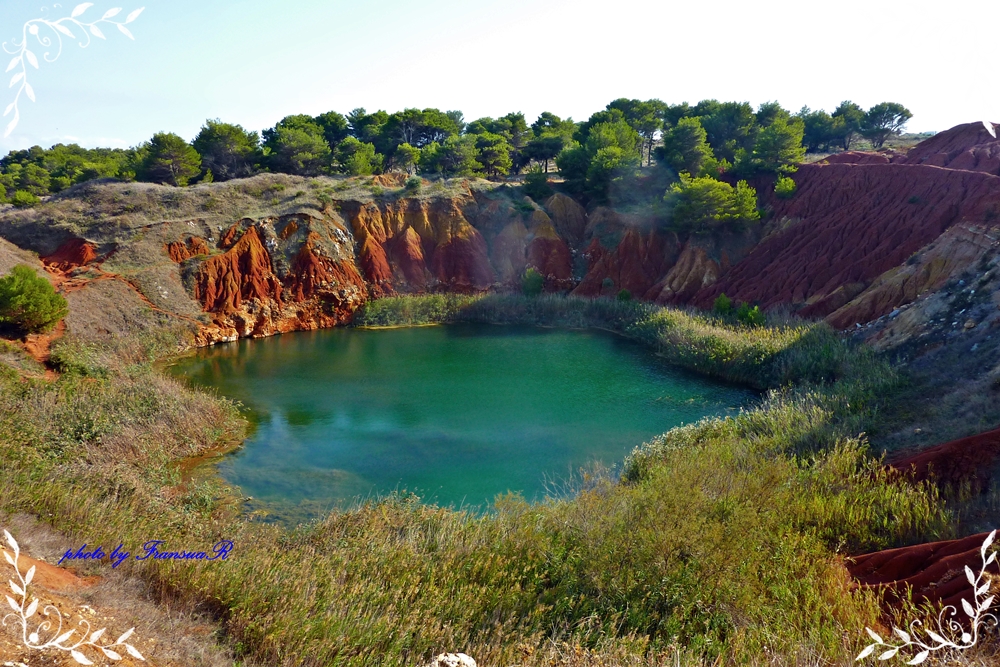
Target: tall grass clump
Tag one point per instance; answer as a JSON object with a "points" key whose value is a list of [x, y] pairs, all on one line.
{"points": [[721, 541]]}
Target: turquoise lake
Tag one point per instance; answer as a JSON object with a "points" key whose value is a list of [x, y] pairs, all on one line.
{"points": [[456, 414]]}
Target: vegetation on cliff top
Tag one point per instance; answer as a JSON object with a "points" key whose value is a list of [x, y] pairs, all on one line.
{"points": [[709, 138]]}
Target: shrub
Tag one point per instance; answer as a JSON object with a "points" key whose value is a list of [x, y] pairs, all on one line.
{"points": [[785, 187], [607, 283], [703, 204], [750, 316], [536, 185], [532, 282], [624, 295], [29, 301], [24, 199], [723, 305], [413, 184]]}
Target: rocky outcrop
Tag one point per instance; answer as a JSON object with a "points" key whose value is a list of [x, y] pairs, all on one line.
{"points": [[945, 258], [413, 244], [701, 263]]}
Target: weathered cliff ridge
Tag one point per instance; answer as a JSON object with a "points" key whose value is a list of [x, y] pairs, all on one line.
{"points": [[864, 235]]}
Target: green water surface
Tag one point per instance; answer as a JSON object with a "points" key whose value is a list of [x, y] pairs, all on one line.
{"points": [[456, 414]]}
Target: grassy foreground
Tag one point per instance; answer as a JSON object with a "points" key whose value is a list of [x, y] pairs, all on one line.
{"points": [[720, 541]]}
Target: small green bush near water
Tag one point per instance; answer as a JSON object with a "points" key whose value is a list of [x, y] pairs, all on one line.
{"points": [[29, 302], [532, 282]]}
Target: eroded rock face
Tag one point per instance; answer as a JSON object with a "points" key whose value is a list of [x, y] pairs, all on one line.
{"points": [[280, 275], [412, 244], [948, 256], [625, 253], [864, 235]]}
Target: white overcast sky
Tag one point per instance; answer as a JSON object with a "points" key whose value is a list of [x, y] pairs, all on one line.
{"points": [[252, 62]]}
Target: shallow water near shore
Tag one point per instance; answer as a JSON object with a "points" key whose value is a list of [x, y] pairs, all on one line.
{"points": [[456, 414]]}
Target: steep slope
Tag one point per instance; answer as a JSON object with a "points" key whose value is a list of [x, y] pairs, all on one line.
{"points": [[850, 223], [968, 147]]}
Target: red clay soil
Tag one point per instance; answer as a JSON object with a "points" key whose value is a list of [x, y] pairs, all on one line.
{"points": [[854, 223], [857, 157], [636, 264], [311, 272], [966, 460], [180, 251], [935, 571], [70, 255], [967, 146], [551, 257], [241, 274]]}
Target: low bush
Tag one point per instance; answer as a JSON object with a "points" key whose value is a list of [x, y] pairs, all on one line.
{"points": [[536, 185], [29, 302], [532, 282], [785, 187], [24, 199]]}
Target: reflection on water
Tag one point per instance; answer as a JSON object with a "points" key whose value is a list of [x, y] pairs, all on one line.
{"points": [[458, 414]]}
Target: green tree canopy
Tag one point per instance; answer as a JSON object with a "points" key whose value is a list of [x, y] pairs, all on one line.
{"points": [[227, 150], [29, 302], [778, 148], [545, 148], [685, 148], [406, 157], [366, 127], [611, 151], [358, 159], [455, 157], [818, 130], [883, 121], [493, 154], [703, 204], [334, 126], [169, 160], [847, 118], [768, 112], [549, 124], [729, 126], [296, 145], [645, 117]]}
